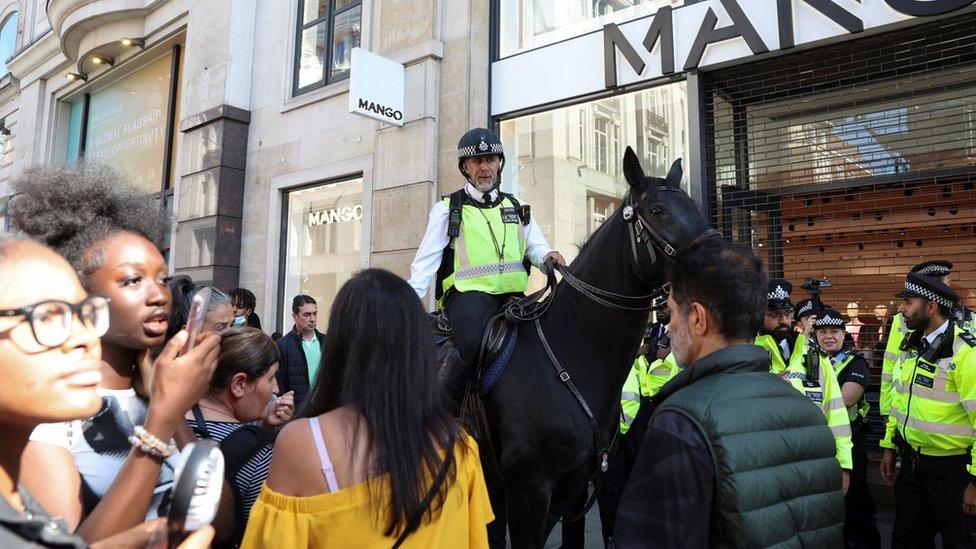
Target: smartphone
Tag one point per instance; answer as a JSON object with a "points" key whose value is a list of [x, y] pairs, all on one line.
{"points": [[195, 495], [194, 322]]}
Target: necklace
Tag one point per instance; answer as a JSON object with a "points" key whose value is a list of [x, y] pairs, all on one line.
{"points": [[219, 411]]}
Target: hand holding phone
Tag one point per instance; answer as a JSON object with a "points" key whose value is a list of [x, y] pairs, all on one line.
{"points": [[194, 321]]}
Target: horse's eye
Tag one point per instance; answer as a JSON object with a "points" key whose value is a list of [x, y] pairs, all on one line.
{"points": [[657, 210]]}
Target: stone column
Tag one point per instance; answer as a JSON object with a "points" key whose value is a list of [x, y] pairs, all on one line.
{"points": [[213, 151], [444, 46], [404, 158]]}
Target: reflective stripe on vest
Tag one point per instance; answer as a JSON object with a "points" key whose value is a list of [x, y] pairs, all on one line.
{"points": [[631, 394], [659, 373], [485, 232], [777, 364], [896, 334], [931, 403], [862, 407], [825, 393]]}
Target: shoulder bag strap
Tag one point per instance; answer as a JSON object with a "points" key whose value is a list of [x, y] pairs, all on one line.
{"points": [[428, 499], [201, 423]]}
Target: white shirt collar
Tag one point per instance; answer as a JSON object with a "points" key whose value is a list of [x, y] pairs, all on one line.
{"points": [[935, 333], [477, 195]]}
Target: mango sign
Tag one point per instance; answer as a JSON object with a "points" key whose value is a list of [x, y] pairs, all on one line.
{"points": [[376, 87]]}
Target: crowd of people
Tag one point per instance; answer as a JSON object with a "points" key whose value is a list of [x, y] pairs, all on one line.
{"points": [[929, 417], [743, 419], [100, 396]]}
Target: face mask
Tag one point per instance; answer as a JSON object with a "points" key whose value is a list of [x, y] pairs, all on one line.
{"points": [[240, 320]]}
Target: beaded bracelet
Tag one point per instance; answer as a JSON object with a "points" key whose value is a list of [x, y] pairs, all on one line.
{"points": [[148, 443]]}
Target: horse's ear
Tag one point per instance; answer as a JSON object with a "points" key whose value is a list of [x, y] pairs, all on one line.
{"points": [[632, 168], [674, 175]]}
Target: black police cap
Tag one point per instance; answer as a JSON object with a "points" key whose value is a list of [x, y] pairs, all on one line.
{"points": [[779, 294], [929, 287], [829, 319], [936, 267]]}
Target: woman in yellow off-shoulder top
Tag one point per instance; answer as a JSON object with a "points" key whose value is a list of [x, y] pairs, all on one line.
{"points": [[376, 459]]}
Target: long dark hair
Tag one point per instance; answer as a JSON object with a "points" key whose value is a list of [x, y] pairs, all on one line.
{"points": [[378, 356]]}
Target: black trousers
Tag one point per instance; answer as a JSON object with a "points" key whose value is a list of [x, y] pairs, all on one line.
{"points": [[469, 313], [860, 526], [928, 501]]}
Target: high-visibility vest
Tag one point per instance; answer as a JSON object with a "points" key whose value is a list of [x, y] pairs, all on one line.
{"points": [[644, 380], [777, 364], [484, 233], [630, 395], [896, 334], [825, 393], [934, 402], [659, 372], [862, 407]]}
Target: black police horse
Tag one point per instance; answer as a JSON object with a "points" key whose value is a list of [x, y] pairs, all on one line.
{"points": [[546, 445]]}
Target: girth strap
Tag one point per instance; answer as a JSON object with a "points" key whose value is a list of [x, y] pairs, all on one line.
{"points": [[563, 375], [603, 452]]}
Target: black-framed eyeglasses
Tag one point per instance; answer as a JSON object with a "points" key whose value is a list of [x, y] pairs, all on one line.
{"points": [[52, 321]]}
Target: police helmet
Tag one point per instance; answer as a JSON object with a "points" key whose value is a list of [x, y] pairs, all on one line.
{"points": [[479, 142]]}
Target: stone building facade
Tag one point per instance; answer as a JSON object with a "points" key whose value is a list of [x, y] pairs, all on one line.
{"points": [[234, 114]]}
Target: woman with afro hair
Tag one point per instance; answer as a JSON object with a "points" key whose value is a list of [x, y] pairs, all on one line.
{"points": [[88, 471]]}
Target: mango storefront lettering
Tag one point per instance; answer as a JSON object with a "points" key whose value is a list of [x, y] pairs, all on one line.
{"points": [[335, 215]]}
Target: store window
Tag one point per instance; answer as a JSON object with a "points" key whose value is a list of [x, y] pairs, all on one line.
{"points": [[572, 176], [854, 162], [322, 243], [328, 30], [529, 24], [125, 124], [8, 41]]}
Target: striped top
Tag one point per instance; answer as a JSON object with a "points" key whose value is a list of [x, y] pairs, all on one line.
{"points": [[252, 474]]}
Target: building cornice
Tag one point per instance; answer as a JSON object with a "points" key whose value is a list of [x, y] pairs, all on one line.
{"points": [[34, 56], [82, 26]]}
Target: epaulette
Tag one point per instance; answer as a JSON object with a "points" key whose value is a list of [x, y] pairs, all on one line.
{"points": [[969, 338]]}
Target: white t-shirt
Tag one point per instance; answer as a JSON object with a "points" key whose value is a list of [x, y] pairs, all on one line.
{"points": [[100, 445]]}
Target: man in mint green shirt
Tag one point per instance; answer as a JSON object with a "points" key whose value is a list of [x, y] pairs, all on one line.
{"points": [[300, 350]]}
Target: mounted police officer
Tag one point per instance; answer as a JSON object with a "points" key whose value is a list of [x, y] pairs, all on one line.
{"points": [[477, 242], [851, 369], [932, 421]]}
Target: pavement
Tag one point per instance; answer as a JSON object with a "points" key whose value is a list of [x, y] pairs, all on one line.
{"points": [[883, 497]]}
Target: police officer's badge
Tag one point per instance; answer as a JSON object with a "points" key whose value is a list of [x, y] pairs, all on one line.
{"points": [[482, 146]]}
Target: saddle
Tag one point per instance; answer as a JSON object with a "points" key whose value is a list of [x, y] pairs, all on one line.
{"points": [[497, 343]]}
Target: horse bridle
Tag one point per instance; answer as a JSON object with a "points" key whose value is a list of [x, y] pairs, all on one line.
{"points": [[641, 232]]}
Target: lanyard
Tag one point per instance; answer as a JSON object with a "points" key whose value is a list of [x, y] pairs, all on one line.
{"points": [[498, 250]]}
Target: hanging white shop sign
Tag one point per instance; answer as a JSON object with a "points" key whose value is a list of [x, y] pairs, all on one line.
{"points": [[376, 87], [698, 35]]}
